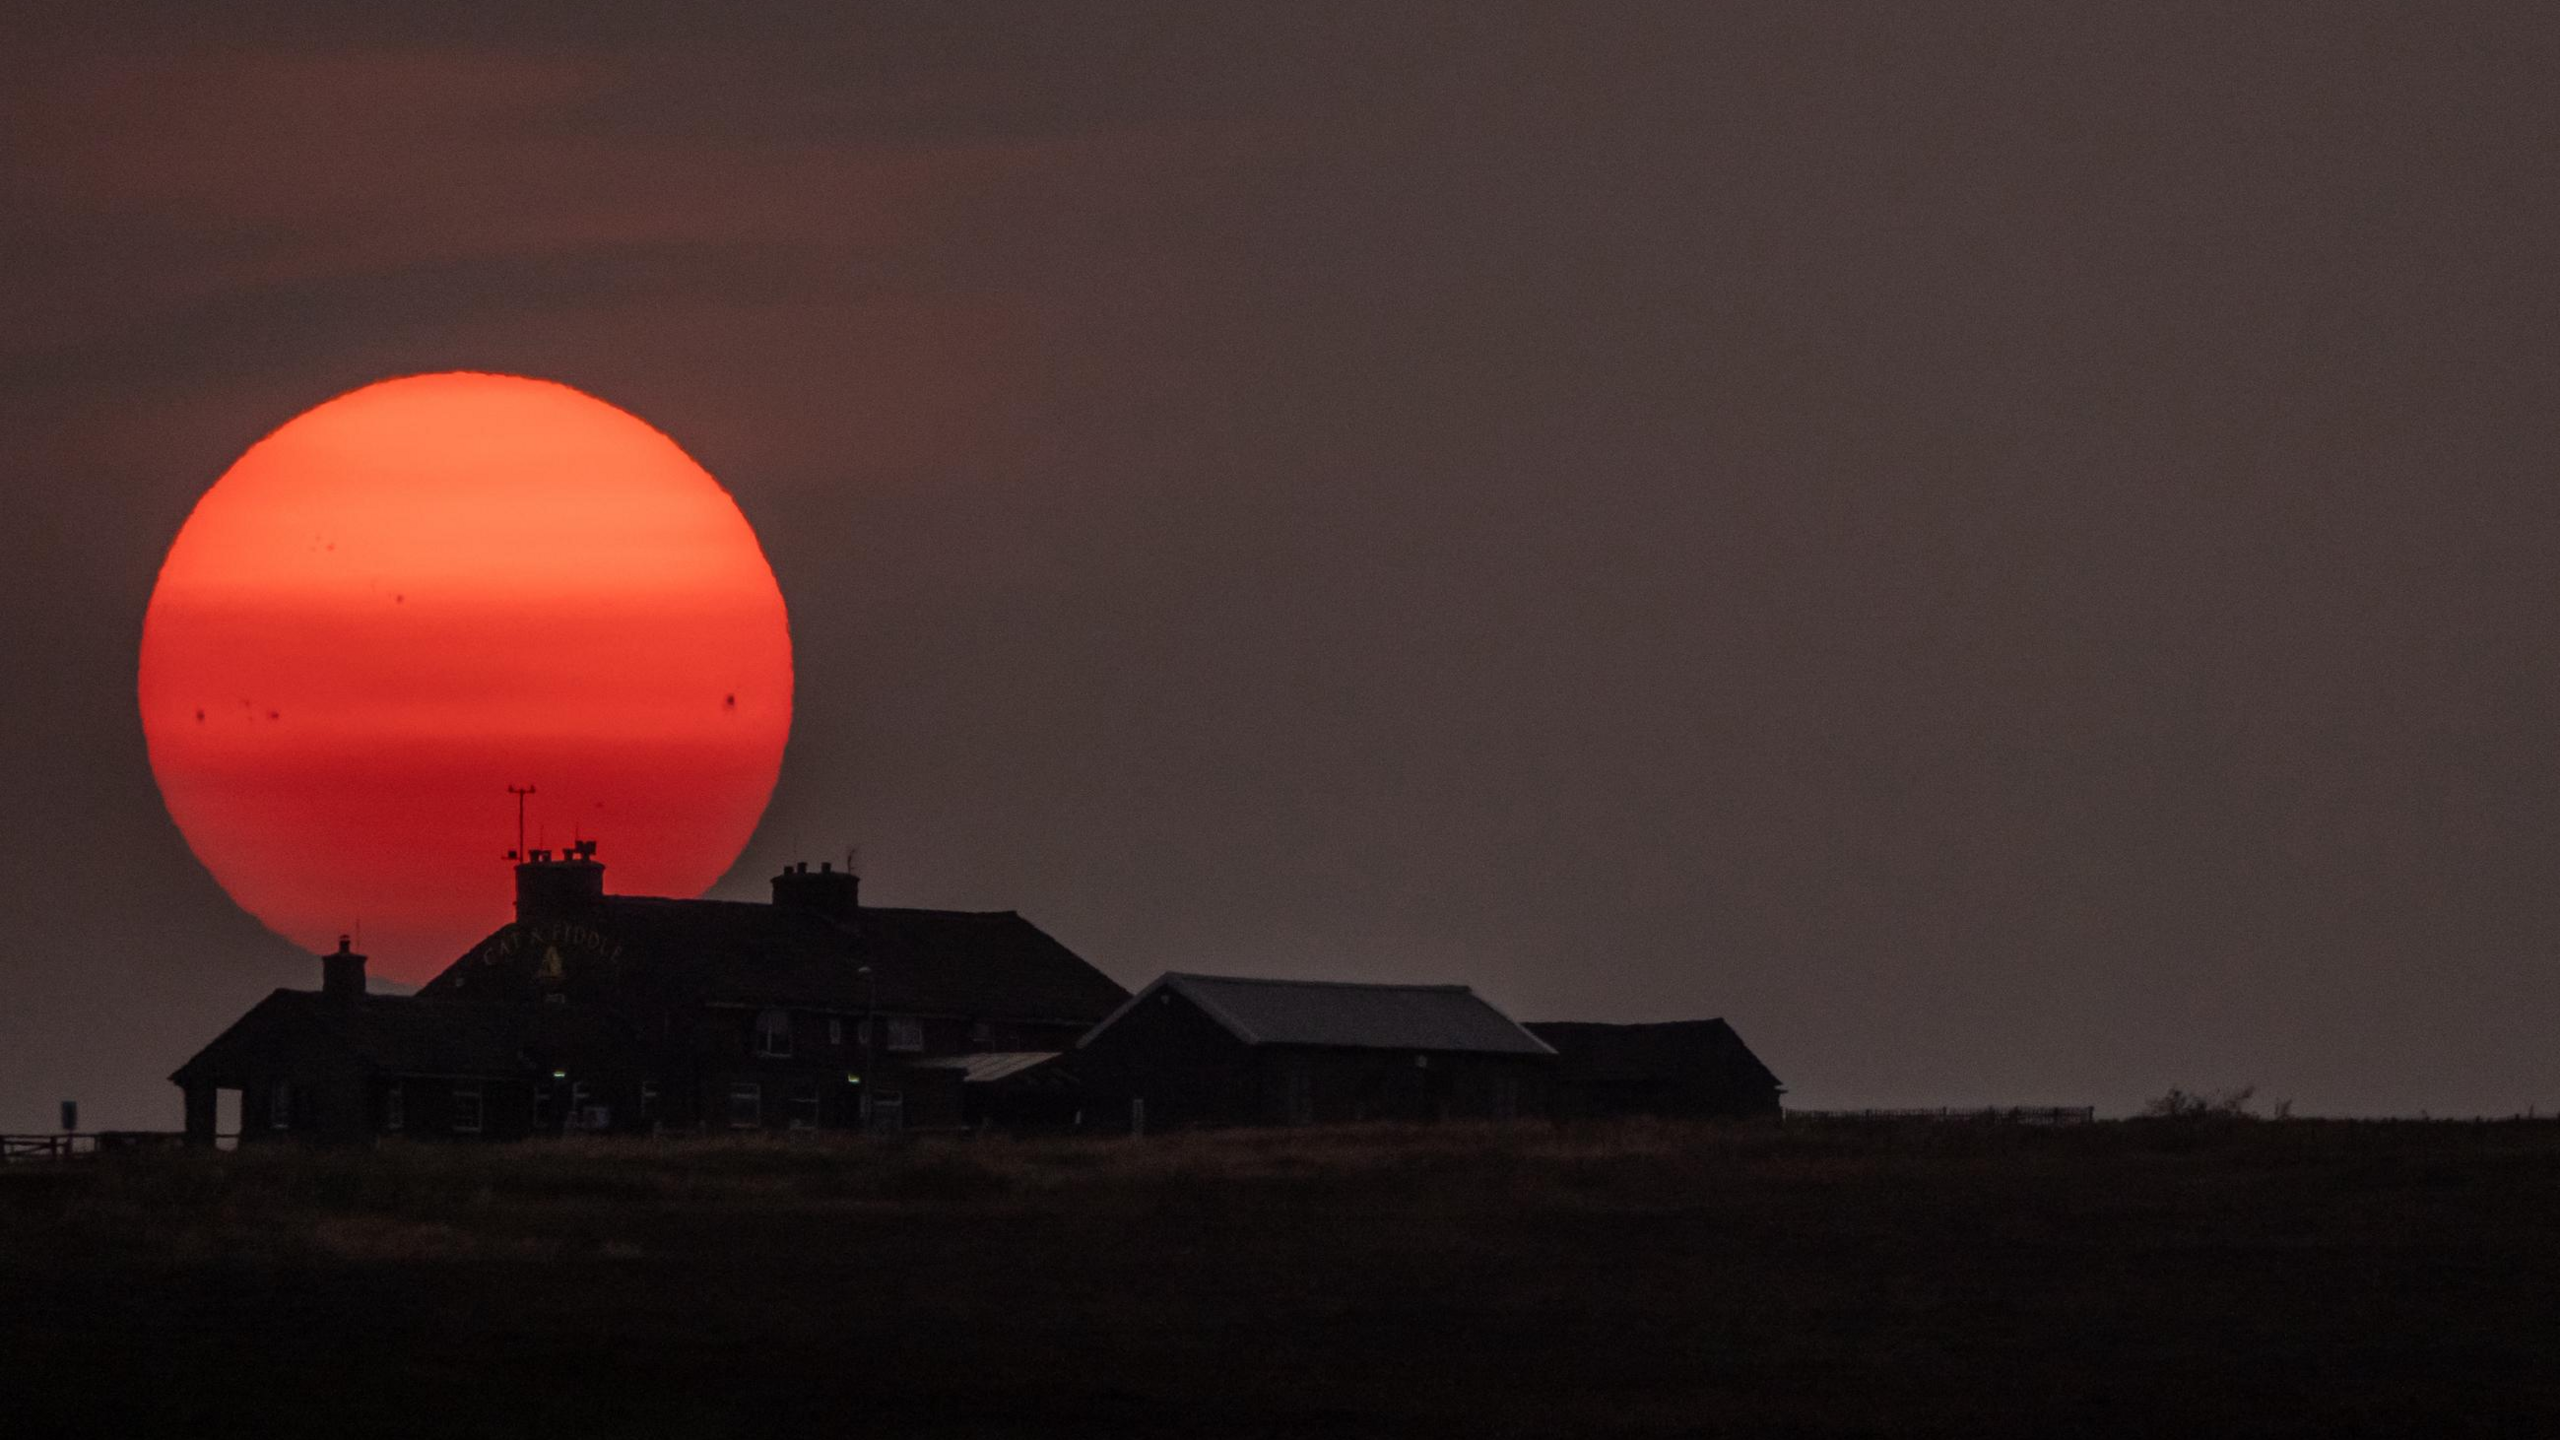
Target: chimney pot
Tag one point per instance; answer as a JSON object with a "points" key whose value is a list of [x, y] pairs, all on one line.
{"points": [[570, 887], [342, 975], [832, 892]]}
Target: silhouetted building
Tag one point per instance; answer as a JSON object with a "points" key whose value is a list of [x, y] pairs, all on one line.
{"points": [[1015, 1090], [1224, 1050], [1685, 1068], [615, 1013]]}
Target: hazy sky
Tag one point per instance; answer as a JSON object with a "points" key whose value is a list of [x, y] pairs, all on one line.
{"points": [[2009, 551]]}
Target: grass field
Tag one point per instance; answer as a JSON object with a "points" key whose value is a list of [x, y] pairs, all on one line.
{"points": [[2195, 1277]]}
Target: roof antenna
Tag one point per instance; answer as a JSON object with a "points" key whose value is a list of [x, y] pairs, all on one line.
{"points": [[852, 859], [519, 791]]}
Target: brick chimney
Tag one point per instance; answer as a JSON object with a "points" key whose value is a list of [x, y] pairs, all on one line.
{"points": [[831, 892], [342, 975], [570, 887]]}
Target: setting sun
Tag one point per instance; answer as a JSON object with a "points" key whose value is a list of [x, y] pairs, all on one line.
{"points": [[420, 593]]}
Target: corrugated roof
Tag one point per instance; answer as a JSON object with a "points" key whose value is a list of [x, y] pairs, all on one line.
{"points": [[1348, 1015], [988, 1068]]}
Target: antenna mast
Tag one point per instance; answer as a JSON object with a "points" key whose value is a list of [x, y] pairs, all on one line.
{"points": [[519, 791]]}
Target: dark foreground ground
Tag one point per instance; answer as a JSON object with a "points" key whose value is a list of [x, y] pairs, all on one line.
{"points": [[2206, 1277]]}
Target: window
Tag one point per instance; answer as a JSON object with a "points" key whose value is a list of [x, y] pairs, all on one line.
{"points": [[773, 1033], [648, 1100], [906, 1032], [835, 1030], [466, 1109], [746, 1105], [395, 1109], [804, 1105], [280, 1106], [982, 1033]]}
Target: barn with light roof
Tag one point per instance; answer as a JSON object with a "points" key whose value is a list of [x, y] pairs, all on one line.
{"points": [[1228, 1050]]}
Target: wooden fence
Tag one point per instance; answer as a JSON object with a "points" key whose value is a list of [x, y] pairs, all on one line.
{"points": [[71, 1145]]}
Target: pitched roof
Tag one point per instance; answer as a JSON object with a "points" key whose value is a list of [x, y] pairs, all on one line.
{"points": [[1342, 1014], [1625, 1052], [395, 1034], [990, 1067], [993, 964]]}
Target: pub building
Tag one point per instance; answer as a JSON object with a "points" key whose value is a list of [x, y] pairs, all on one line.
{"points": [[621, 1014]]}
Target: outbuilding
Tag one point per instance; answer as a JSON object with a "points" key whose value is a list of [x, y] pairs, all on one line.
{"points": [[341, 1065], [1206, 1050], [1695, 1069]]}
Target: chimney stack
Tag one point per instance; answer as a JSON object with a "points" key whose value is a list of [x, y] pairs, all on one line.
{"points": [[567, 888], [830, 892], [342, 975]]}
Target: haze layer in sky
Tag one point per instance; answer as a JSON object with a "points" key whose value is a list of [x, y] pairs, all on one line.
{"points": [[2005, 549]]}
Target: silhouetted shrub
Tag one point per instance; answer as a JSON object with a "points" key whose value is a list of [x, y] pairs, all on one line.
{"points": [[2180, 1104]]}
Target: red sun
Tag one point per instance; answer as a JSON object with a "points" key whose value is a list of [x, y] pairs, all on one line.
{"points": [[423, 592]]}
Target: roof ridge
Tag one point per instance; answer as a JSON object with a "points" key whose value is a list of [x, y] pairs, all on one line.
{"points": [[1455, 1017], [377, 997], [1632, 1024], [621, 899], [1444, 989]]}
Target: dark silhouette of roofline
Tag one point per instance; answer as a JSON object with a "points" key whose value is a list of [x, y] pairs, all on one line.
{"points": [[1309, 984], [618, 898], [313, 1009], [1191, 985]]}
